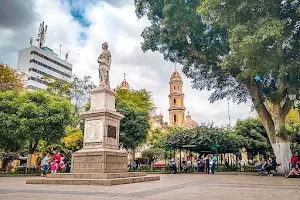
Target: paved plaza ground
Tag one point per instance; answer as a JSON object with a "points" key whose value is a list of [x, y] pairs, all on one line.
{"points": [[179, 186]]}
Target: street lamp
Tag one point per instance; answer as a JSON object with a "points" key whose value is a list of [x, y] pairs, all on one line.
{"points": [[292, 96], [296, 103]]}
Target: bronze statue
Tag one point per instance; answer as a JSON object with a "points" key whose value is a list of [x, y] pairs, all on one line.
{"points": [[104, 61]]}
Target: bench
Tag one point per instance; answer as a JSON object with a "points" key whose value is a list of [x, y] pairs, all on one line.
{"points": [[273, 171]]}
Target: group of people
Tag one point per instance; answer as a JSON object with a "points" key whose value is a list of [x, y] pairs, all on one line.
{"points": [[271, 164], [207, 163], [53, 164], [295, 166], [268, 165]]}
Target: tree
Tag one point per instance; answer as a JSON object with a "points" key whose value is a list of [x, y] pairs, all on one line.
{"points": [[253, 136], [74, 139], [153, 154], [139, 99], [133, 127], [156, 137], [205, 139], [78, 91], [9, 79], [136, 107], [31, 117], [238, 49]]}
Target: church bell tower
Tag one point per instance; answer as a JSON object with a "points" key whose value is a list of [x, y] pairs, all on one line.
{"points": [[176, 96]]}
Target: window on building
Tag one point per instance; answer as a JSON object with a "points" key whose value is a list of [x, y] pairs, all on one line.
{"points": [[51, 60], [174, 88], [174, 118], [174, 102], [48, 67]]}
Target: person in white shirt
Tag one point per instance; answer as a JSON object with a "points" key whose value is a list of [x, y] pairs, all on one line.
{"points": [[45, 163]]}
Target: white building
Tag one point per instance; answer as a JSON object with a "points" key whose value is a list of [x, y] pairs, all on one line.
{"points": [[37, 62]]}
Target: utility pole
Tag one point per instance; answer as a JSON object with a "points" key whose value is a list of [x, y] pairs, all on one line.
{"points": [[229, 120]]}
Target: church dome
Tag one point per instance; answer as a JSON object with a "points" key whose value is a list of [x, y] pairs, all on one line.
{"points": [[189, 123], [175, 73], [124, 84]]}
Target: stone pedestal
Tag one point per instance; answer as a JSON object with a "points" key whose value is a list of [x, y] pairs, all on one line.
{"points": [[100, 159], [101, 152]]}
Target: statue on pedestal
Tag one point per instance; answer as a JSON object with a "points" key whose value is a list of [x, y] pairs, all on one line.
{"points": [[244, 156], [104, 61]]}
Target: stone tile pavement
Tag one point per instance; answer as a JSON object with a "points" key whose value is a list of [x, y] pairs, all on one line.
{"points": [[179, 186]]}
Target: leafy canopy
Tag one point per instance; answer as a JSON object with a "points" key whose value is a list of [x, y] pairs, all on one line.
{"points": [[9, 79], [253, 136], [136, 107], [205, 139], [73, 139], [223, 44], [31, 117]]}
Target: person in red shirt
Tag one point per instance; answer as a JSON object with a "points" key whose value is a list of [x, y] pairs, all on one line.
{"points": [[294, 160], [56, 158]]}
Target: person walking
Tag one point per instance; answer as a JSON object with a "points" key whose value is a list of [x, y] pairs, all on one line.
{"points": [[133, 165], [207, 160], [45, 163], [213, 163]]}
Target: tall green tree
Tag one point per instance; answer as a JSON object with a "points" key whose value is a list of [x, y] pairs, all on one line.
{"points": [[136, 107], [32, 117], [225, 44], [253, 136]]}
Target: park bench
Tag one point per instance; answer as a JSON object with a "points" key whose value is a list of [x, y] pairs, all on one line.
{"points": [[273, 171]]}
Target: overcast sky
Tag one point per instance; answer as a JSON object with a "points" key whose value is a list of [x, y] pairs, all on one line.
{"points": [[81, 26]]}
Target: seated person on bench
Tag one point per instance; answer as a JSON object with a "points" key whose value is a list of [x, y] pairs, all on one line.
{"points": [[260, 165], [270, 166]]}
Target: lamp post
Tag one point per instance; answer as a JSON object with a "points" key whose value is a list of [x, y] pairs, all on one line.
{"points": [[296, 103]]}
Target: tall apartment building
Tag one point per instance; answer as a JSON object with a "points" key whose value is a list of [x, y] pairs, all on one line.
{"points": [[38, 62]]}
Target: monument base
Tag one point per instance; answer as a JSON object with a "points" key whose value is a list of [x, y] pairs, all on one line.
{"points": [[99, 161], [105, 179], [96, 167]]}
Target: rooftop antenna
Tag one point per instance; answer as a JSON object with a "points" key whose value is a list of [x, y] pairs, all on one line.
{"points": [[42, 35], [67, 56], [30, 41], [124, 76], [60, 50]]}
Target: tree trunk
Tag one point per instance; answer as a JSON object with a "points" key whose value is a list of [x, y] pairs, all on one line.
{"points": [[31, 150], [283, 154], [29, 157], [280, 143]]}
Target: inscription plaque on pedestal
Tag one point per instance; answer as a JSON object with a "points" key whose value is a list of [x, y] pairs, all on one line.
{"points": [[93, 131]]}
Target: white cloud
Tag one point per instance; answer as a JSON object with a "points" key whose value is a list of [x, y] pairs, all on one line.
{"points": [[121, 29]]}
